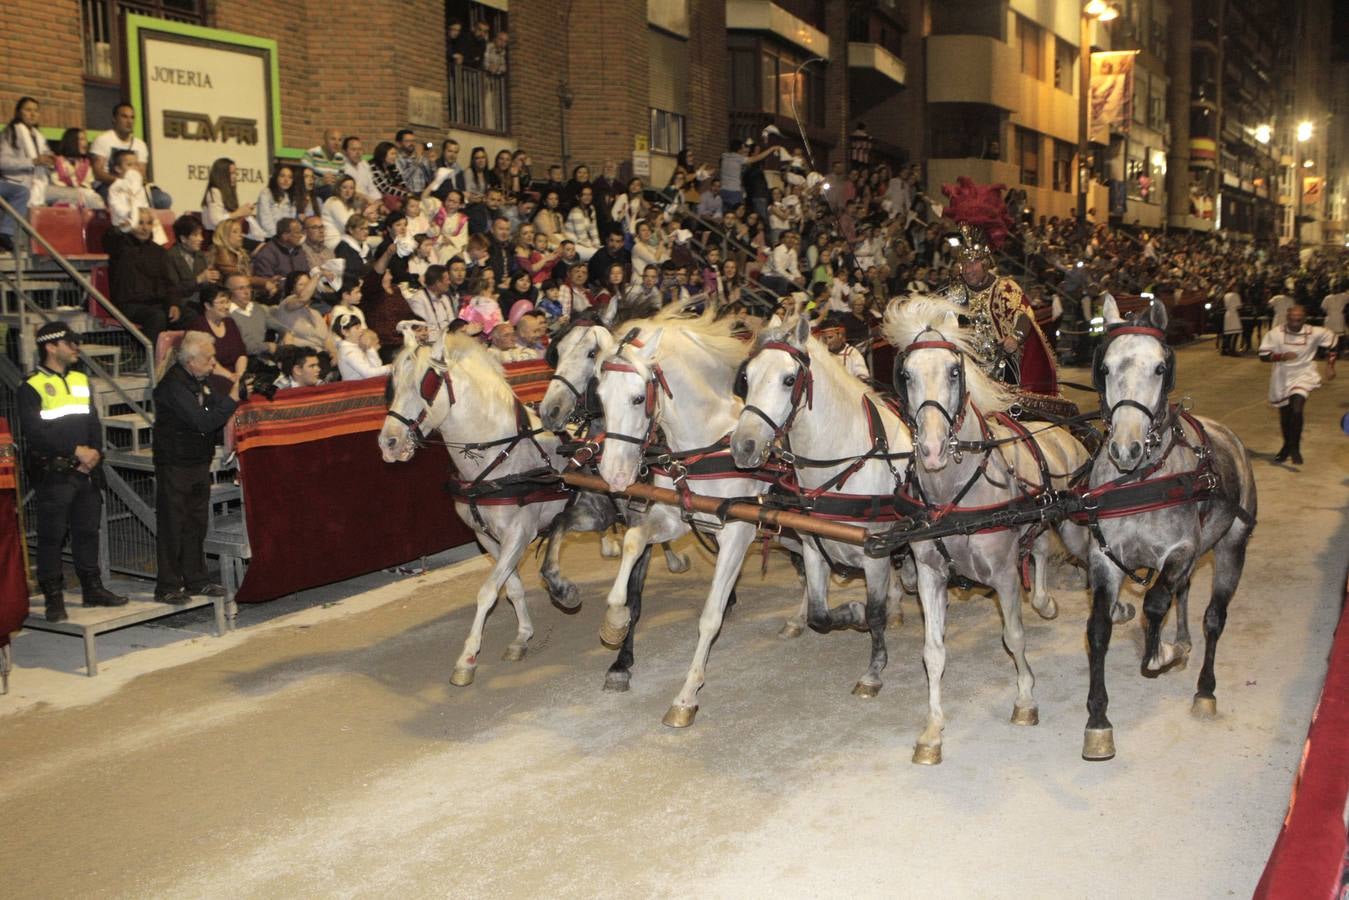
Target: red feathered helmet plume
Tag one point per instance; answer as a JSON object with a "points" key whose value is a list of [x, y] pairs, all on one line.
{"points": [[979, 206]]}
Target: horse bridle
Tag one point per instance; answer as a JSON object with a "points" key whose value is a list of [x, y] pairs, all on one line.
{"points": [[578, 393], [803, 386], [655, 381], [1157, 422], [910, 417], [437, 376]]}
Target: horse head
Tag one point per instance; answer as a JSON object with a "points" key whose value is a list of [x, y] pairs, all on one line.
{"points": [[418, 396], [775, 382], [1134, 370], [628, 383], [930, 378], [572, 355]]}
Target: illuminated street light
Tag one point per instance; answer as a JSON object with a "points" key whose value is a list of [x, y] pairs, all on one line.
{"points": [[1304, 131], [1109, 14], [1094, 8], [1262, 133]]}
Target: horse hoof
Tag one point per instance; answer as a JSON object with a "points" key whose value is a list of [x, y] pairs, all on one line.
{"points": [[614, 628], [1204, 707], [462, 677], [896, 620], [1168, 657], [1049, 609], [617, 682], [1122, 612], [1025, 715], [1098, 744], [927, 754], [865, 689], [515, 653], [610, 548], [791, 629], [568, 599], [679, 716], [677, 563]]}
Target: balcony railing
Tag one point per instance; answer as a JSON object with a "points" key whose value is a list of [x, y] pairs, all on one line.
{"points": [[479, 100]]}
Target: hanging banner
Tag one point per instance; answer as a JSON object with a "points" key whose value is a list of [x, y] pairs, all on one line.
{"points": [[1112, 94], [202, 94], [1311, 194]]}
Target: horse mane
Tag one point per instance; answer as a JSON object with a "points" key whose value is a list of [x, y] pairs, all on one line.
{"points": [[462, 351], [906, 320], [705, 333]]}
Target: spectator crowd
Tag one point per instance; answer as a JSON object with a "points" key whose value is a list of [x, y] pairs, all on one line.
{"points": [[313, 275]]}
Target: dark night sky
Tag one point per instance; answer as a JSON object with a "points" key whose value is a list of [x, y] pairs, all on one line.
{"points": [[1340, 32]]}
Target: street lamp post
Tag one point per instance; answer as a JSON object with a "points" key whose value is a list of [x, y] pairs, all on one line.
{"points": [[1100, 11], [1304, 134]]}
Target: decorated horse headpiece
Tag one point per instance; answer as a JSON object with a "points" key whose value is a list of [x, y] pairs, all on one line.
{"points": [[436, 376], [899, 380], [1157, 414], [655, 382], [803, 385]]}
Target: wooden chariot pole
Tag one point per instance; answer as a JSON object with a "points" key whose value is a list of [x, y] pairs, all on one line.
{"points": [[745, 512]]}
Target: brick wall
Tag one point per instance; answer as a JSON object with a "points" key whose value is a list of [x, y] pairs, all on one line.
{"points": [[349, 66], [836, 116], [42, 60], [708, 126]]}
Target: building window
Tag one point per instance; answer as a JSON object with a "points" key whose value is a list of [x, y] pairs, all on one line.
{"points": [[768, 79], [1028, 156], [965, 131], [1063, 166], [1029, 37], [102, 29], [478, 87], [1065, 63], [667, 131], [982, 17]]}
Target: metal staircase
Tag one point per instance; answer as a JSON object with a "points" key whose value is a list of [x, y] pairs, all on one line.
{"points": [[39, 284]]}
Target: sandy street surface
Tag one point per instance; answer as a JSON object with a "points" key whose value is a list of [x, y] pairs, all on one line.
{"points": [[324, 754]]}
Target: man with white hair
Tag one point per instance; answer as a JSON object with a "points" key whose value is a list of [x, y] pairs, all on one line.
{"points": [[189, 416]]}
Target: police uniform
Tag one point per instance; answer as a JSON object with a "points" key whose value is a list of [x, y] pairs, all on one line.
{"points": [[57, 415]]}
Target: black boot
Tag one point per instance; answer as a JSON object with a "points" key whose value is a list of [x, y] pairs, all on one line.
{"points": [[95, 594], [56, 600], [1284, 416]]}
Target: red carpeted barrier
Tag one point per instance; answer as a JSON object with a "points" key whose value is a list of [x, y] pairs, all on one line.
{"points": [[13, 578], [320, 502], [1309, 857]]}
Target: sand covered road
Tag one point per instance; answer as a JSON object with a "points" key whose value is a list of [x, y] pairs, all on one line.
{"points": [[328, 755]]}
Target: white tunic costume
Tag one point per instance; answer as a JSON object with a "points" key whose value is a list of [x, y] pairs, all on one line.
{"points": [[1333, 307], [1299, 374], [1279, 305], [1231, 313]]}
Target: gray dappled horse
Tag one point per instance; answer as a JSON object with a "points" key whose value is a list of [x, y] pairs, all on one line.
{"points": [[970, 457], [1149, 440]]}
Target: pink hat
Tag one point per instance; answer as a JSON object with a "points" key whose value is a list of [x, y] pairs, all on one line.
{"points": [[518, 310]]}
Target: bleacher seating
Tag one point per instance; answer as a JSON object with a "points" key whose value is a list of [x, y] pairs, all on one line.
{"points": [[63, 228]]}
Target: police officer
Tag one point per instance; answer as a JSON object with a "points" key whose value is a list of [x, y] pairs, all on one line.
{"points": [[64, 460]]}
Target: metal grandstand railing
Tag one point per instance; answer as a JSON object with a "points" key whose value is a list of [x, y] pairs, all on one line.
{"points": [[120, 362]]}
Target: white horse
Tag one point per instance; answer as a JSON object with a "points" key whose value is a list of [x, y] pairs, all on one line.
{"points": [[967, 458], [1153, 444], [846, 445], [455, 387], [572, 355], [670, 383]]}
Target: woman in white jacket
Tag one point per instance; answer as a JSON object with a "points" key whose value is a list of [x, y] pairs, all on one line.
{"points": [[275, 202], [583, 227], [357, 350], [338, 210], [25, 157]]}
